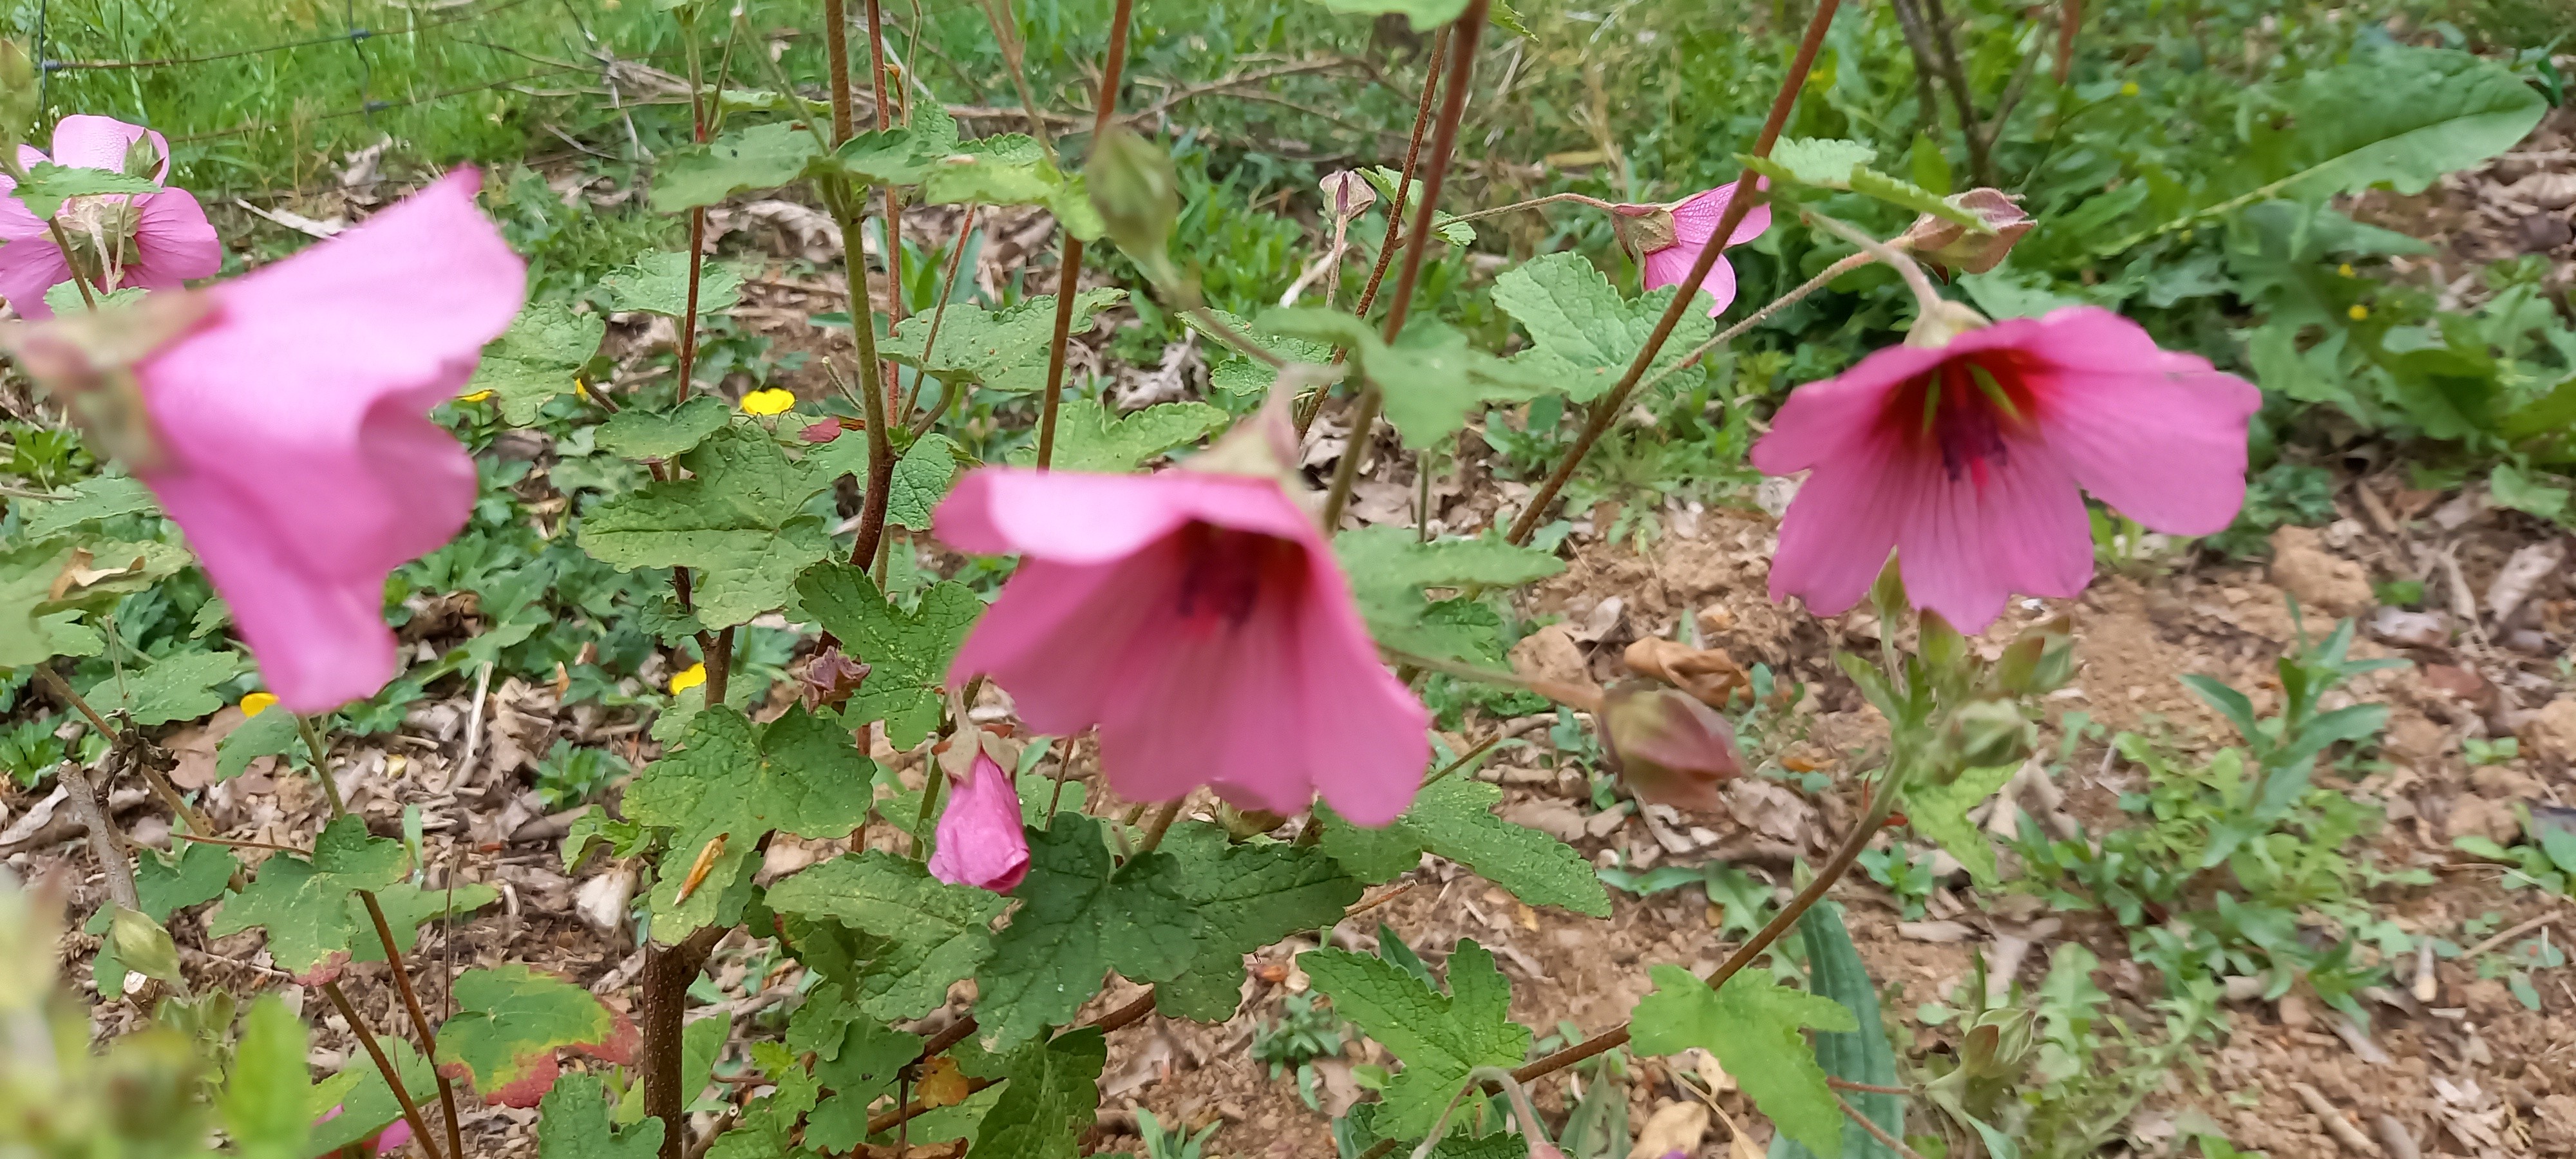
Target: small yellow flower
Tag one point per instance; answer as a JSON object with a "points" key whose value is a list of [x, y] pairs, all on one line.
{"points": [[2344, 269], [257, 703], [477, 396], [581, 388], [691, 677], [2358, 312], [2130, 89], [772, 401]]}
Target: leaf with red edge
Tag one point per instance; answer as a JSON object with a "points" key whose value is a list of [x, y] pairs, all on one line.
{"points": [[511, 1021]]}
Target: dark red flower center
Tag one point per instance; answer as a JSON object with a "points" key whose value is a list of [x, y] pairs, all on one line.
{"points": [[1962, 409], [1226, 573]]}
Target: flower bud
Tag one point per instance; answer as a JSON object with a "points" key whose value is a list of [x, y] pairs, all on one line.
{"points": [[144, 947], [1138, 194], [1945, 321], [1948, 243], [2039, 661], [1347, 194], [833, 679], [1987, 733], [1645, 228], [1668, 747]]}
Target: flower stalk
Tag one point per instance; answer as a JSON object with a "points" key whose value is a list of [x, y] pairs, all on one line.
{"points": [[1069, 277]]}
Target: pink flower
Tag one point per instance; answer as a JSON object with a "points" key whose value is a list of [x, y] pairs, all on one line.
{"points": [[1670, 238], [392, 1138], [1966, 458], [1199, 620], [981, 840], [298, 452], [155, 240]]}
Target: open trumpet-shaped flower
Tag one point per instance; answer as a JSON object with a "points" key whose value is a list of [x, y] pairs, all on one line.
{"points": [[154, 240], [1199, 620], [1670, 238], [981, 840], [1966, 458], [296, 446]]}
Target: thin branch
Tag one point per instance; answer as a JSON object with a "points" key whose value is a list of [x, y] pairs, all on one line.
{"points": [[1980, 166], [939, 314], [106, 843], [419, 1019], [385, 1066], [1533, 203], [1069, 279], [1394, 212], [1758, 317], [1746, 195], [1877, 1132], [321, 765], [1162, 824]]}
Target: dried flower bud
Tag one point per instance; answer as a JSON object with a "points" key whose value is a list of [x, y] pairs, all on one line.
{"points": [[1347, 194], [1948, 243], [1138, 194], [833, 679], [1645, 228], [1986, 733], [1669, 748]]}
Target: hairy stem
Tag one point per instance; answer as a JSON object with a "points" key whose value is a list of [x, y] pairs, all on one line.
{"points": [[385, 1066], [80, 280], [719, 666], [321, 765], [939, 314], [893, 197], [1465, 35], [1306, 408], [1877, 1132], [1533, 203], [1926, 298], [668, 970], [1069, 278], [1758, 317], [1608, 408], [419, 1018]]}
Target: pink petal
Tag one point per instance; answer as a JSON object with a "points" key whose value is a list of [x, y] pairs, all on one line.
{"points": [[982, 842], [1038, 639], [1836, 534], [29, 267], [16, 220], [2157, 435], [173, 242], [304, 463], [1970, 543], [1669, 265], [1077, 517], [94, 142], [1696, 218], [393, 1137], [1370, 756], [1825, 420]]}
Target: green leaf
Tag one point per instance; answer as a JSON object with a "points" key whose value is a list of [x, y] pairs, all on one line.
{"points": [[1050, 1098], [799, 775], [926, 934], [737, 522], [304, 904], [180, 686], [1089, 438], [1583, 335], [65, 298], [759, 157], [2512, 488], [1390, 566], [768, 1126], [2401, 116], [2551, 413], [907, 653], [1440, 1037], [92, 499], [573, 1123], [200, 873], [1013, 169], [510, 1020], [1431, 379], [366, 1104], [1862, 1054], [34, 626], [921, 479], [1940, 812], [48, 185], [265, 1103], [1245, 897], [718, 899], [1454, 818], [536, 358], [859, 1064], [636, 433], [1081, 914], [657, 282], [271, 733], [1753, 1025], [1820, 161], [998, 350], [406, 906], [1425, 15]]}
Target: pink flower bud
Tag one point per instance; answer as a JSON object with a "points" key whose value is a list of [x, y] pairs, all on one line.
{"points": [[1669, 748], [1951, 244], [981, 840]]}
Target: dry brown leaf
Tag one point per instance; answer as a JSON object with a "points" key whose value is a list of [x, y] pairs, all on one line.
{"points": [[1675, 1126], [77, 573], [942, 1084], [1707, 673]]}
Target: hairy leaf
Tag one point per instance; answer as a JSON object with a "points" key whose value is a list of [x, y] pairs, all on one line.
{"points": [[1089, 438], [1081, 914], [1432, 380], [907, 653], [758, 157], [269, 734], [1390, 566], [265, 1103], [921, 479], [1454, 818], [95, 498], [1754, 1027], [304, 905], [641, 434], [180, 686], [736, 522], [1940, 812], [573, 1123], [1050, 1098], [1440, 1037], [799, 774], [657, 282], [1005, 350], [536, 358], [1583, 334], [2402, 116], [1013, 169], [1862, 1054], [923, 934]]}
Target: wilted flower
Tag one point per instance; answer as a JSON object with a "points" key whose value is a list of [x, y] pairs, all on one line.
{"points": [[153, 240], [1966, 458], [282, 419], [1199, 620], [831, 680], [1669, 238], [1668, 747], [1948, 243], [981, 840]]}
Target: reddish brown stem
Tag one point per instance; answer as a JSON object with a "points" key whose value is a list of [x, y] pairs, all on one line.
{"points": [[2070, 16], [668, 970], [384, 1066], [1069, 281], [419, 1018], [1746, 196], [893, 200], [836, 57]]}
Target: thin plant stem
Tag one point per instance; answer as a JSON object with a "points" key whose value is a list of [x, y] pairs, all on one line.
{"points": [[419, 1018], [385, 1066], [1877, 1132], [63, 242], [1980, 167], [1463, 760], [1882, 802], [849, 211], [1610, 406], [1069, 278], [321, 765], [930, 788], [61, 690], [697, 215], [1844, 1084], [106, 843], [836, 59], [233, 843], [1006, 32], [719, 666], [893, 197], [939, 314], [1571, 696], [1533, 203], [1394, 213], [1465, 35], [1926, 298], [1758, 317], [2070, 16], [1162, 824]]}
